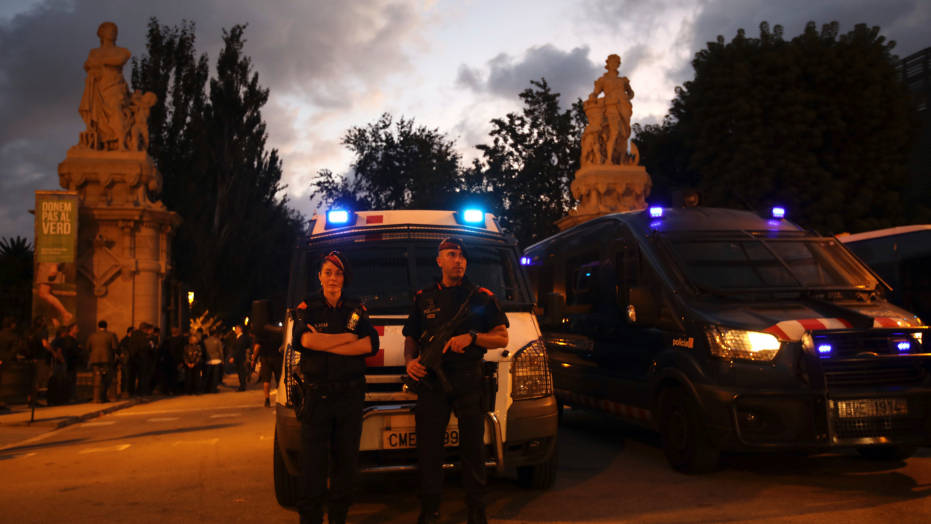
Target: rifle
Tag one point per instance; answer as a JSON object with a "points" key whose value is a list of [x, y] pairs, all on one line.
{"points": [[431, 350]]}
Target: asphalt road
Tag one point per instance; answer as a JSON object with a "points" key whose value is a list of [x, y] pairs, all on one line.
{"points": [[209, 459]]}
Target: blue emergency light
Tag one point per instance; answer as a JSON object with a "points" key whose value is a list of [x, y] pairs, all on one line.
{"points": [[824, 349], [525, 261], [656, 212], [904, 345], [779, 212], [336, 218], [473, 216]]}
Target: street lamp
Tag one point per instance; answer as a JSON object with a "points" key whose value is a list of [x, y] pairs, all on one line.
{"points": [[190, 298]]}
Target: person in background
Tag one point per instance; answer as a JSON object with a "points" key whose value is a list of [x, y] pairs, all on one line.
{"points": [[103, 347], [192, 363], [37, 350], [55, 358], [125, 363], [73, 353], [139, 360], [8, 341], [267, 352], [240, 352], [166, 364], [155, 337], [176, 346], [213, 361]]}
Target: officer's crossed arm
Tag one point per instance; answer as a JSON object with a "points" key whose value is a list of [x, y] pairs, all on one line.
{"points": [[494, 339], [325, 342]]}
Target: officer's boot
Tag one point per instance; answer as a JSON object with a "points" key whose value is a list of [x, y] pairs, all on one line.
{"points": [[477, 515]]}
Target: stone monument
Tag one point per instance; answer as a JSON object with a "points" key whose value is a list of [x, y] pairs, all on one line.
{"points": [[124, 237], [610, 179]]}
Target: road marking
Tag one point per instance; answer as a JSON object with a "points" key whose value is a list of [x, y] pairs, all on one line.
{"points": [[91, 424], [111, 448], [207, 441], [226, 415], [162, 419], [19, 456], [126, 413]]}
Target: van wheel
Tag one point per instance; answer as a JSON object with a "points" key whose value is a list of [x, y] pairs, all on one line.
{"points": [[540, 476], [286, 485], [686, 442], [885, 453]]}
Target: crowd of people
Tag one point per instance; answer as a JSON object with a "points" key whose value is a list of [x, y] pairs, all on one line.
{"points": [[142, 362]]}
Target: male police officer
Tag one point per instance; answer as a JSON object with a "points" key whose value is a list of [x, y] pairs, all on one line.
{"points": [[333, 335], [485, 328]]}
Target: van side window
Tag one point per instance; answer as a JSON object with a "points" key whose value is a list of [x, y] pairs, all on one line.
{"points": [[545, 283], [581, 275], [628, 272]]}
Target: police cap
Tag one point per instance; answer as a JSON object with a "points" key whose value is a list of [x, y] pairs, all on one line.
{"points": [[454, 243], [339, 260]]}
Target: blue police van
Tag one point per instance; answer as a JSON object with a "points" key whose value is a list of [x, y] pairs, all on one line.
{"points": [[727, 330]]}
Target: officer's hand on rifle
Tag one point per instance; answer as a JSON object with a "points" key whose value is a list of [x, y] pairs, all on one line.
{"points": [[415, 369], [458, 343]]}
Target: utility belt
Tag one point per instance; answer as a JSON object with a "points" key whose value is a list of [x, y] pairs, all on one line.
{"points": [[343, 387]]}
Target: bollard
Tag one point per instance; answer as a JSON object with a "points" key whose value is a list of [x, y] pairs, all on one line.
{"points": [[98, 384]]}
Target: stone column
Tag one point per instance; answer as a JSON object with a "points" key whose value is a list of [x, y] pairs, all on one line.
{"points": [[123, 238]]}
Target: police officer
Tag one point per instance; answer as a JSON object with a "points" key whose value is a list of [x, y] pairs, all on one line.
{"points": [[485, 328], [334, 337]]}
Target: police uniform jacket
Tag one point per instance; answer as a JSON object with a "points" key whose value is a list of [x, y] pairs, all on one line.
{"points": [[436, 305], [322, 367]]}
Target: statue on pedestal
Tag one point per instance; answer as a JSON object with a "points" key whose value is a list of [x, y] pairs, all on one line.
{"points": [[113, 117], [610, 179]]}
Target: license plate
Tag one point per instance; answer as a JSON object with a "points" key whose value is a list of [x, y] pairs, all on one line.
{"points": [[872, 407], [401, 438]]}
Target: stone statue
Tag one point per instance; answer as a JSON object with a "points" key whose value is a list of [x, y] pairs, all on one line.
{"points": [[114, 119], [617, 110], [610, 179]]}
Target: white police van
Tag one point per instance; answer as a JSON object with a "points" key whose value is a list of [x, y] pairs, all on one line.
{"points": [[393, 255]]}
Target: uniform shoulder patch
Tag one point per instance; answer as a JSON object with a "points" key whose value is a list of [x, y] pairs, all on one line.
{"points": [[302, 306], [486, 291]]}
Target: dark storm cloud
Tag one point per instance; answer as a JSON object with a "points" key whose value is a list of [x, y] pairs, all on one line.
{"points": [[569, 73], [319, 51]]}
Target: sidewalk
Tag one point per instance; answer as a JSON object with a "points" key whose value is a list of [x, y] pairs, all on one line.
{"points": [[60, 416]]}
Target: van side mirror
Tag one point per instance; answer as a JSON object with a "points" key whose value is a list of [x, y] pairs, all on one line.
{"points": [[641, 308], [262, 322], [554, 305]]}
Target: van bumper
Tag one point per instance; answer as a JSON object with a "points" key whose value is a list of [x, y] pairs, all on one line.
{"points": [[531, 431], [288, 429], [792, 419]]}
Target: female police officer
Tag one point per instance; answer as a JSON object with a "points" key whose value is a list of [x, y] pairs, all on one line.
{"points": [[334, 336]]}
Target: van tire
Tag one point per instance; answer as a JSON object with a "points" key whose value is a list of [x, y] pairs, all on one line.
{"points": [[886, 453], [287, 486], [686, 443], [540, 476]]}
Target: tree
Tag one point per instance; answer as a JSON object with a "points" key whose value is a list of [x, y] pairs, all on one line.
{"points": [[821, 124], [16, 262], [396, 166], [525, 173], [663, 154], [235, 244]]}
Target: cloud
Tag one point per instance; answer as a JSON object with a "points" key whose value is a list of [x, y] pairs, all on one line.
{"points": [[570, 73], [320, 54]]}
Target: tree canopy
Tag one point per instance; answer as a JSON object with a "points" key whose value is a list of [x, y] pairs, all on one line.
{"points": [[235, 244], [821, 124]]}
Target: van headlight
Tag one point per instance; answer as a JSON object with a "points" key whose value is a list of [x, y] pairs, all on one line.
{"points": [[737, 343], [530, 372]]}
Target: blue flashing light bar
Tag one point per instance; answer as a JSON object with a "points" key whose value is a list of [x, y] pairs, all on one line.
{"points": [[779, 212], [656, 212], [525, 261], [824, 349], [473, 216], [904, 345], [337, 216]]}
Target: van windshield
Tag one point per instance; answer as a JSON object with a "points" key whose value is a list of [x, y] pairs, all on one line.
{"points": [[385, 279], [749, 263]]}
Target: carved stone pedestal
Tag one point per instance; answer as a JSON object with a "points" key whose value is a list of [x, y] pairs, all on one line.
{"points": [[124, 238], [604, 189]]}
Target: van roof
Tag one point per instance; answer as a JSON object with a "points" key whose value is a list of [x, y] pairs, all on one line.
{"points": [[400, 224], [881, 233], [689, 219]]}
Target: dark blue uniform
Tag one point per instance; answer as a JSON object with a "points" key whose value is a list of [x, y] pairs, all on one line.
{"points": [[334, 396], [433, 307]]}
